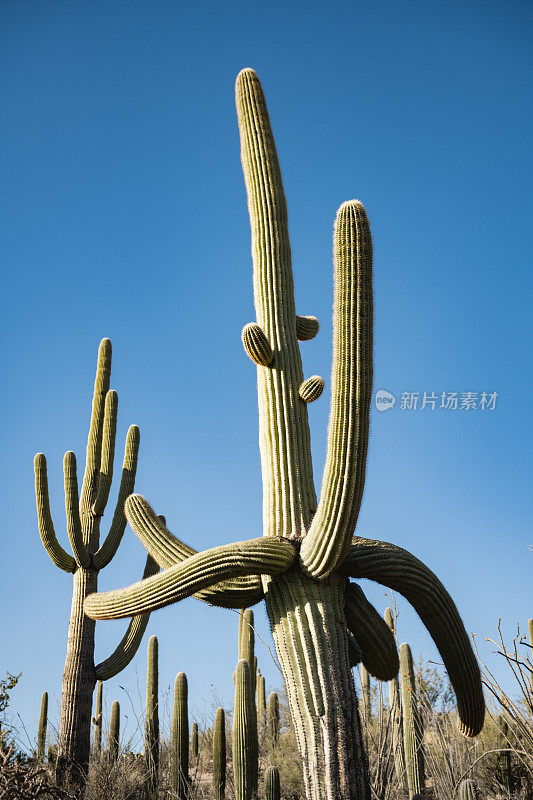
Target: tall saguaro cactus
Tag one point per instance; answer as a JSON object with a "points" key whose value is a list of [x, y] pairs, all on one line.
{"points": [[302, 564], [88, 558]]}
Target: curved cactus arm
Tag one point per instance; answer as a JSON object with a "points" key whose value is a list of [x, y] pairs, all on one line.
{"points": [[329, 537], [105, 475], [129, 644], [268, 556], [129, 467], [168, 550], [59, 556], [94, 440], [377, 643], [401, 571], [73, 511]]}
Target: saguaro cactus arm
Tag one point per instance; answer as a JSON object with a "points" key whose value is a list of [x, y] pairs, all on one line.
{"points": [[399, 570], [265, 556], [129, 644], [59, 556], [105, 475], [110, 545], [94, 445], [329, 538], [168, 550], [288, 489], [377, 643], [73, 512]]}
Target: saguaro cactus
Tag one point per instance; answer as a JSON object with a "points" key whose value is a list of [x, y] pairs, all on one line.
{"points": [[151, 740], [179, 742], [365, 694], [97, 719], [395, 710], [41, 729], [302, 565], [89, 557], [113, 740], [194, 741], [412, 725], [243, 744], [219, 755], [468, 790], [272, 787], [273, 717], [261, 699]]}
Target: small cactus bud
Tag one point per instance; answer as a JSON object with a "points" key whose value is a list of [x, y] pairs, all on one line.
{"points": [[306, 328], [312, 388], [256, 344]]}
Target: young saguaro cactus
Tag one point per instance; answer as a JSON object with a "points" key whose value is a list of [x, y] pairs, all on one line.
{"points": [[113, 740], [84, 514], [151, 739], [412, 725], [273, 717], [308, 551], [97, 719], [468, 790], [219, 755], [41, 730], [179, 742], [272, 786], [243, 744], [395, 710]]}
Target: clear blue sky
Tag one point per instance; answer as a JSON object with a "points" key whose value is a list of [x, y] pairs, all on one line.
{"points": [[124, 215]]}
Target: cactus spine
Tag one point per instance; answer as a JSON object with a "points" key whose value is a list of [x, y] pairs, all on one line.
{"points": [[396, 721], [412, 724], [304, 590], [179, 744], [468, 790], [113, 740], [41, 729], [219, 755], [272, 787], [97, 719], [84, 513], [151, 741], [273, 717], [243, 744]]}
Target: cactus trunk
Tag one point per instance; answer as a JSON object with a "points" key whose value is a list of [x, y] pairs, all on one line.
{"points": [[309, 631], [77, 688]]}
